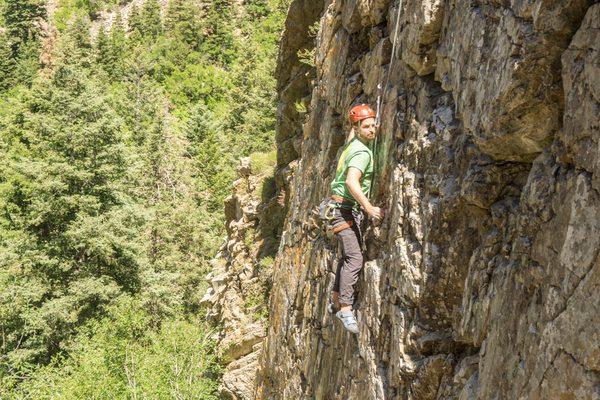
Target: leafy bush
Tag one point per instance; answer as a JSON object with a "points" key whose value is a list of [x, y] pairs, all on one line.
{"points": [[121, 357], [263, 162]]}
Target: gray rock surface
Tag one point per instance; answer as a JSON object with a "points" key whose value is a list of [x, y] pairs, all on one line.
{"points": [[239, 279], [482, 281]]}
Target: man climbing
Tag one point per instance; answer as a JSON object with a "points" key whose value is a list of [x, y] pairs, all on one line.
{"points": [[350, 189]]}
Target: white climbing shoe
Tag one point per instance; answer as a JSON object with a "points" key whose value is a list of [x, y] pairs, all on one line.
{"points": [[348, 320]]}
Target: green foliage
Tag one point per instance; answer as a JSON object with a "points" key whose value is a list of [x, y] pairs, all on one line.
{"points": [[256, 304], [307, 56], [78, 34], [219, 44], [70, 244], [7, 63], [136, 25], [19, 44], [20, 17], [182, 23], [198, 84], [266, 262], [151, 24], [67, 9], [263, 162], [257, 8], [110, 48], [116, 161], [216, 172], [122, 356]]}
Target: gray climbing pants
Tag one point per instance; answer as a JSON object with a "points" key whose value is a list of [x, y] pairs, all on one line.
{"points": [[352, 259]]}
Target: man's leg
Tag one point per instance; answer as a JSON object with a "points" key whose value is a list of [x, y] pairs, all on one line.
{"points": [[335, 298], [351, 266]]}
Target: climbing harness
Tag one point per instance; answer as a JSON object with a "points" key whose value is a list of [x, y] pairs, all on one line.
{"points": [[327, 212], [382, 89]]}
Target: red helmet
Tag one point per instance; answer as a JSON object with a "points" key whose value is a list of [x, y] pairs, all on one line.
{"points": [[360, 112]]}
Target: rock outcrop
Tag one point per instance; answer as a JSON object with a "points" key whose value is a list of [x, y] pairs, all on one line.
{"points": [[482, 280], [240, 277]]}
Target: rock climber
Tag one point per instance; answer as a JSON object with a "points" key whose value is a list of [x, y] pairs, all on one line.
{"points": [[350, 190]]}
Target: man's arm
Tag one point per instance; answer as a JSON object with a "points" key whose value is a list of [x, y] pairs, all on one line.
{"points": [[353, 183]]}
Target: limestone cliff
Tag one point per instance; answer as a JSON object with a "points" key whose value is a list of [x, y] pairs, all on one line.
{"points": [[482, 281]]}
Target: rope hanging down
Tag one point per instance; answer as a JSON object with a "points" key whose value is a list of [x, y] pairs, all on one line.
{"points": [[381, 90], [392, 58]]}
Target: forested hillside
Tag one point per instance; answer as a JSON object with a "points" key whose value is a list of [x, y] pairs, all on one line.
{"points": [[120, 126]]}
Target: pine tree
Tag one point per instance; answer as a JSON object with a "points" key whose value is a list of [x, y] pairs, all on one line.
{"points": [[79, 33], [26, 62], [7, 63], [21, 19], [136, 25], [22, 22], [150, 17], [102, 48], [219, 43], [69, 246], [182, 23], [205, 133], [117, 43]]}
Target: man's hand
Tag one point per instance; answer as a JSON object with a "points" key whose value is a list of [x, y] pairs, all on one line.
{"points": [[353, 184], [375, 212]]}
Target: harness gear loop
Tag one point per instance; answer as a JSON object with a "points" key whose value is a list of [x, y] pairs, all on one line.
{"points": [[325, 213]]}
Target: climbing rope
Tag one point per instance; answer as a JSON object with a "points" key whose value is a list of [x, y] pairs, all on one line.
{"points": [[382, 89], [381, 94]]}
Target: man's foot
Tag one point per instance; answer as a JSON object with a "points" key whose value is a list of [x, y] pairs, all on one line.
{"points": [[347, 318]]}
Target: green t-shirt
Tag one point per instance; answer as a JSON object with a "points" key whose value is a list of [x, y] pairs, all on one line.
{"points": [[358, 155]]}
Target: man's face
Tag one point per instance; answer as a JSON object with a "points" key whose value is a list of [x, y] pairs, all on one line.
{"points": [[367, 129]]}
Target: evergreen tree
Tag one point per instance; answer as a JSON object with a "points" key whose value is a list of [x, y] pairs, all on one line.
{"points": [[182, 23], [22, 22], [150, 18], [136, 25], [117, 46], [21, 19], [205, 133], [102, 47], [79, 33], [110, 48], [219, 43], [69, 247], [26, 62], [112, 185], [7, 63], [75, 47]]}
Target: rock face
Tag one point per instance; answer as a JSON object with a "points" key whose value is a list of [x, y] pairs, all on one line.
{"points": [[240, 277], [482, 282]]}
